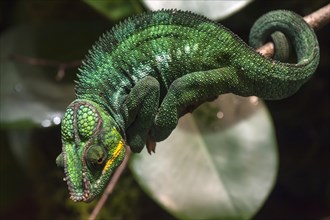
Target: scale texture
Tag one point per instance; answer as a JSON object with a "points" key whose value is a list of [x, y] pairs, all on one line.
{"points": [[140, 77]]}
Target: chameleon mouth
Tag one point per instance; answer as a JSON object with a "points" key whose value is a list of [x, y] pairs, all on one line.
{"points": [[76, 196]]}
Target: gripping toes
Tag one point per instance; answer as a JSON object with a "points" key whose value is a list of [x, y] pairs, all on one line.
{"points": [[165, 122]]}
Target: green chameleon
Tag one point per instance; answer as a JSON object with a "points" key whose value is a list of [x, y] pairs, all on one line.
{"points": [[148, 71]]}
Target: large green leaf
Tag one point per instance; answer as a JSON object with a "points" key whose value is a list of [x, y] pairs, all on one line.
{"points": [[219, 163]]}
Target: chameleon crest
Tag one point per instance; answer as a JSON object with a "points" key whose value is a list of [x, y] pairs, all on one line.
{"points": [[143, 75]]}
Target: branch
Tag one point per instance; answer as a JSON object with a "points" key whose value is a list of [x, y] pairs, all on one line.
{"points": [[61, 66], [315, 20], [111, 185]]}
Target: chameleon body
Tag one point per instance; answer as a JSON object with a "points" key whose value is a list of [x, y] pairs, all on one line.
{"points": [[141, 76]]}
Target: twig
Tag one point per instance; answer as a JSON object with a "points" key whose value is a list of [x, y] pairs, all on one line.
{"points": [[315, 20], [62, 66], [111, 185], [319, 18]]}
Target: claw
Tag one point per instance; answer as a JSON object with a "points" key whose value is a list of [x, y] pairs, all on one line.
{"points": [[151, 145]]}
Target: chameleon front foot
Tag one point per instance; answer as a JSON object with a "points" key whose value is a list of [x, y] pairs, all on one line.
{"points": [[140, 109]]}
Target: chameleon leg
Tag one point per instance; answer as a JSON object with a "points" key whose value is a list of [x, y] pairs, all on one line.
{"points": [[187, 90], [141, 107]]}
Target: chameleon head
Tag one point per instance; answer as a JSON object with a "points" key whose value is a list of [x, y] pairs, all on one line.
{"points": [[92, 148]]}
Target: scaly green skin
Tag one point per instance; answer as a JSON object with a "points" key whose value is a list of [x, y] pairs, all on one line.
{"points": [[92, 146], [144, 74]]}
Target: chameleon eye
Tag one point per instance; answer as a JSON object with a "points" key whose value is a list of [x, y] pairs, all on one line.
{"points": [[95, 155], [100, 160]]}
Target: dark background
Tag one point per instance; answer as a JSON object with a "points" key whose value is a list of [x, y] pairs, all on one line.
{"points": [[302, 190]]}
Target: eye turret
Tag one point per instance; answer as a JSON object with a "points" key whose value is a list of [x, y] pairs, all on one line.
{"points": [[95, 155]]}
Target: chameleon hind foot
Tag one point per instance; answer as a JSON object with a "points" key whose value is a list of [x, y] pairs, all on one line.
{"points": [[182, 94], [151, 145]]}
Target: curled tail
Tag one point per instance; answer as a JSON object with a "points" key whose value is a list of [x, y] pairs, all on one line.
{"points": [[293, 27], [304, 41]]}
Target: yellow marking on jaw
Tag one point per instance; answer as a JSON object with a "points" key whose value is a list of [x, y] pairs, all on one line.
{"points": [[114, 156]]}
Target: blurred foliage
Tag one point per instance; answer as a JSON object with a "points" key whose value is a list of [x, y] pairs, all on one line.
{"points": [[219, 163], [207, 8], [116, 9], [31, 184]]}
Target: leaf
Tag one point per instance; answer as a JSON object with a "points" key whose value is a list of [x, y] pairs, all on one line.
{"points": [[115, 9], [29, 94], [219, 163], [212, 9]]}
